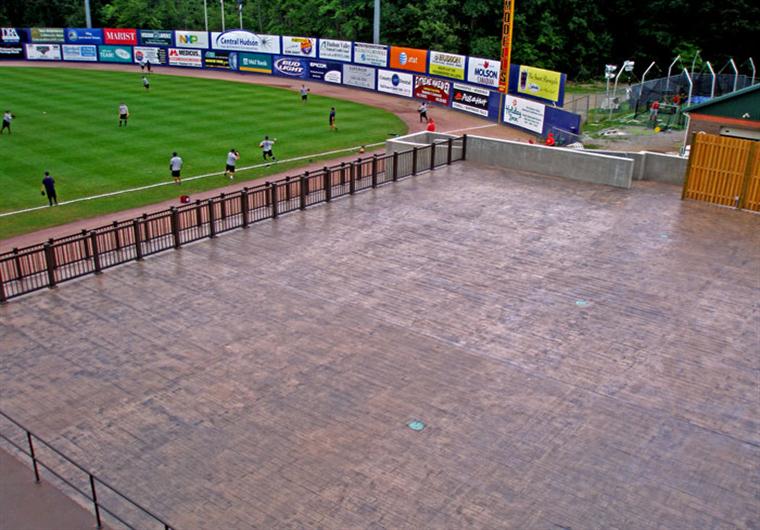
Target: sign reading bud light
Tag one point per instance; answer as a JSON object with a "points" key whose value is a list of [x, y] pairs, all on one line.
{"points": [[483, 71], [359, 76], [290, 67], [191, 39], [338, 50], [326, 71], [524, 113], [245, 41], [471, 99], [395, 83], [300, 46]]}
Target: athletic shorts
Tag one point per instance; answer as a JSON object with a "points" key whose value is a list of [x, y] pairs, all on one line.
{"points": [[230, 167], [304, 96], [175, 173], [122, 116], [268, 153], [6, 124]]}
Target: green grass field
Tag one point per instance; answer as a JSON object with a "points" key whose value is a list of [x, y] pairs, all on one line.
{"points": [[66, 123]]}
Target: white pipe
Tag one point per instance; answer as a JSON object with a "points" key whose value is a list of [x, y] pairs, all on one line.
{"points": [[87, 15], [691, 85], [670, 68], [752, 64], [205, 13], [714, 79], [222, 2], [694, 63], [644, 77], [736, 72], [614, 91], [376, 23], [240, 10]]}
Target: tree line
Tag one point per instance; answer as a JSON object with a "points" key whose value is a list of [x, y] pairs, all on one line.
{"points": [[572, 36]]}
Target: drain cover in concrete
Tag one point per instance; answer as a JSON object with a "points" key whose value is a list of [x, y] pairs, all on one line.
{"points": [[581, 303], [416, 425]]}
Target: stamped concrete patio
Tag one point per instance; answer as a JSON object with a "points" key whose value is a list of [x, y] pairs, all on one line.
{"points": [[581, 357]]}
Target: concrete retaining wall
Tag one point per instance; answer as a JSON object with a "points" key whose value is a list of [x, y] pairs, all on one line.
{"points": [[654, 166]]}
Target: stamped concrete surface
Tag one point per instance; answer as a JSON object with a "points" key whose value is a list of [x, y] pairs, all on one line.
{"points": [[581, 357]]}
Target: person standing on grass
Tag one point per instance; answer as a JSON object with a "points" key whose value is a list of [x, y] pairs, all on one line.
{"points": [[423, 109], [332, 119], [123, 114], [175, 166], [7, 119], [232, 157], [146, 83], [147, 65], [48, 185], [266, 148], [142, 65], [304, 93]]}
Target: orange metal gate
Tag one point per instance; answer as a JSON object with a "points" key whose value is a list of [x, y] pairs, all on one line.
{"points": [[724, 170]]}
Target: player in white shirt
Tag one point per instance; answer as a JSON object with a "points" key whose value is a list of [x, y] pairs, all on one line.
{"points": [[7, 119], [123, 114], [146, 83], [175, 166], [304, 93], [232, 157], [266, 148]]}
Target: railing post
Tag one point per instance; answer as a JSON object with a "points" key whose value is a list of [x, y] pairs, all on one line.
{"points": [[222, 206], [175, 226], [449, 149], [95, 501], [138, 242], [352, 178], [374, 170], [342, 173], [95, 251], [117, 237], [198, 214], [327, 184], [211, 219], [287, 188], [3, 298], [464, 147], [432, 155], [244, 206], [302, 190], [395, 166], [34, 458], [50, 262], [85, 244], [146, 224], [17, 263], [273, 193], [414, 161]]}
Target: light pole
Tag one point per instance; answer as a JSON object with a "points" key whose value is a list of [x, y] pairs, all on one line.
{"points": [[376, 24], [205, 13], [240, 12], [222, 2], [87, 15]]}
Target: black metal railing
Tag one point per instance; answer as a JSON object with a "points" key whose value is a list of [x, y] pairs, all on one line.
{"points": [[80, 480], [62, 259]]}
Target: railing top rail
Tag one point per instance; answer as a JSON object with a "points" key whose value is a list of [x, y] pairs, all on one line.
{"points": [[81, 468]]}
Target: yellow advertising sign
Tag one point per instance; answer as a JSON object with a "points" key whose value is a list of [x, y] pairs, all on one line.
{"points": [[539, 83], [506, 45]]}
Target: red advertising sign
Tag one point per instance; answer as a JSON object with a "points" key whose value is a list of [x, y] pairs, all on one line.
{"points": [[120, 36], [432, 89]]}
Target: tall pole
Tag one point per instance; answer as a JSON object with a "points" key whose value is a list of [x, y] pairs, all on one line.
{"points": [[222, 2], [714, 78], [694, 63], [376, 24], [752, 64], [670, 69], [240, 12], [87, 16], [205, 13], [736, 72]]}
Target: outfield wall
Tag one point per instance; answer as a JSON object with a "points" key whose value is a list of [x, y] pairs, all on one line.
{"points": [[463, 83]]}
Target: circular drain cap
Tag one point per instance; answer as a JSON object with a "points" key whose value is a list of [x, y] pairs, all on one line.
{"points": [[416, 425]]}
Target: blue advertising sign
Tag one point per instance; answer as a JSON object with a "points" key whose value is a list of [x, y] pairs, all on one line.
{"points": [[326, 71], [84, 35], [291, 67]]}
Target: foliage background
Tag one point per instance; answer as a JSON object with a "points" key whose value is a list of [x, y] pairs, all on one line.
{"points": [[573, 36]]}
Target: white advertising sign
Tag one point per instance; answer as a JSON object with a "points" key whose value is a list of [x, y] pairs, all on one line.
{"points": [[447, 65], [395, 83], [43, 52], [191, 39], [185, 58], [300, 46], [524, 113], [245, 41], [339, 50], [9, 35], [148, 53], [371, 54], [483, 71], [361, 76], [80, 52]]}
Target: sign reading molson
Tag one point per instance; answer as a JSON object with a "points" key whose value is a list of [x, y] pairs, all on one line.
{"points": [[371, 54], [395, 83], [471, 99], [80, 52], [245, 41], [432, 89], [524, 113], [359, 76], [326, 71], [409, 59], [191, 39], [300, 46], [156, 37], [47, 35], [338, 50], [539, 83], [483, 71], [255, 62], [447, 65], [115, 54], [84, 36], [120, 36], [290, 67]]}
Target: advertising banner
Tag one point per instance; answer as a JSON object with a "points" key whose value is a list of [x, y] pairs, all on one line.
{"points": [[47, 35], [395, 83], [471, 99], [524, 113], [43, 52], [191, 58], [290, 67], [300, 46], [483, 71], [120, 36], [221, 60], [191, 39], [10, 51], [115, 54], [432, 89], [255, 62], [338, 50], [360, 76], [10, 36], [371, 54], [156, 37], [84, 36], [539, 83], [446, 65], [326, 71], [507, 22], [154, 55], [80, 52], [245, 41], [408, 59]]}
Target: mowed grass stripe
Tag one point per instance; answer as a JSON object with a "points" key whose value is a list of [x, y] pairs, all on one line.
{"points": [[67, 123]]}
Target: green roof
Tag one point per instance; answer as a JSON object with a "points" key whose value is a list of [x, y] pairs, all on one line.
{"points": [[742, 104]]}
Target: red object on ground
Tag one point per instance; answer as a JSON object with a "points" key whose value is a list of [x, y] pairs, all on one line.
{"points": [[430, 126], [184, 199], [550, 139]]}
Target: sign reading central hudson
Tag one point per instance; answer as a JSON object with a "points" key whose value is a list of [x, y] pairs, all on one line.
{"points": [[245, 41]]}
